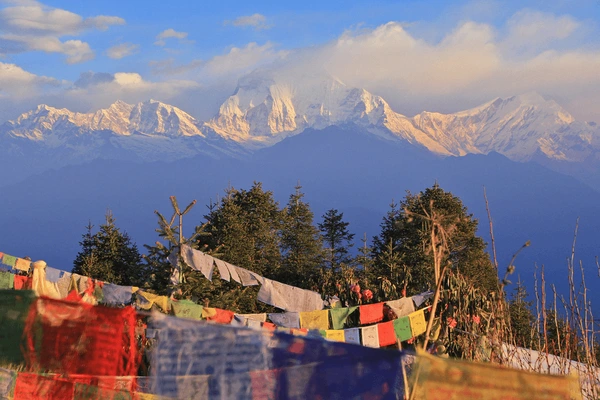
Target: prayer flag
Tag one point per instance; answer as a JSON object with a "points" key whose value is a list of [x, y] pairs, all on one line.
{"points": [[371, 313], [339, 316], [417, 323], [402, 328], [386, 333], [314, 319], [334, 335], [370, 336], [352, 335]]}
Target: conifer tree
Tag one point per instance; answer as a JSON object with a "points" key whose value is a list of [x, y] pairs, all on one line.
{"points": [[301, 245], [336, 238], [521, 316], [245, 228], [109, 255], [410, 235]]}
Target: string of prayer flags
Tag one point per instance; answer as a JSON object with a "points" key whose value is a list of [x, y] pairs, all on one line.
{"points": [[198, 260], [117, 295], [402, 328], [402, 307], [223, 270], [64, 284], [9, 260], [268, 326], [22, 265], [186, 309], [22, 282], [386, 334], [418, 325], [233, 272], [146, 300], [314, 319], [257, 317], [352, 335], [287, 319], [288, 298], [255, 324], [370, 336], [248, 278], [339, 316], [40, 285], [371, 313], [334, 335], [420, 298], [53, 274], [447, 378], [104, 338], [220, 316], [38, 387]]}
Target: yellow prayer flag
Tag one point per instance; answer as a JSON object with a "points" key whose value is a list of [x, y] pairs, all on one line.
{"points": [[314, 319], [208, 312], [417, 323], [22, 264], [161, 301], [134, 289], [335, 335], [443, 378]]}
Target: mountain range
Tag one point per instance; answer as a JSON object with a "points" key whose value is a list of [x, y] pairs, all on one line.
{"points": [[264, 111], [60, 169]]}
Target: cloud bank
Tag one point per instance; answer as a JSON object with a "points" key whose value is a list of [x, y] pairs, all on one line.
{"points": [[472, 63]]}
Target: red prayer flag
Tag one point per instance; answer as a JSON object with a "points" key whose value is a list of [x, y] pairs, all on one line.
{"points": [[387, 334], [371, 313], [222, 316], [33, 387], [22, 282]]}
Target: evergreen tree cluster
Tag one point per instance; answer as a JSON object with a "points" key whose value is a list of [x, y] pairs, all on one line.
{"points": [[249, 229]]}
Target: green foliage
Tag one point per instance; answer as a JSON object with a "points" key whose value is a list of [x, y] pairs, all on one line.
{"points": [[522, 320], [301, 245], [336, 238], [109, 255], [405, 242]]}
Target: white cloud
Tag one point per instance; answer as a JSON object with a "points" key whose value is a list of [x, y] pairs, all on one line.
{"points": [[169, 67], [122, 50], [240, 60], [255, 21], [167, 34], [31, 26], [18, 83]]}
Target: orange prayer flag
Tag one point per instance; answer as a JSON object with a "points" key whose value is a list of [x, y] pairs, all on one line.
{"points": [[371, 313]]}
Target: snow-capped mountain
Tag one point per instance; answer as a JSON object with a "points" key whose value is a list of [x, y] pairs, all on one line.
{"points": [[266, 109], [151, 118]]}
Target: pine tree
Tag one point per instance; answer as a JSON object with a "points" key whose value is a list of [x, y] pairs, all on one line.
{"points": [[407, 229], [336, 238], [245, 228], [521, 316], [301, 244], [109, 255]]}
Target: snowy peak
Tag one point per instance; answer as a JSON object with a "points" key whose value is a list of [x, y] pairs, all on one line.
{"points": [[151, 118], [264, 110]]}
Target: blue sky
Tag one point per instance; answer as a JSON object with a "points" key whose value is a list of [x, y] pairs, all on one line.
{"points": [[435, 55]]}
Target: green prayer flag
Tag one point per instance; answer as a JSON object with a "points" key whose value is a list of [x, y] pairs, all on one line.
{"points": [[14, 308], [9, 260], [402, 328], [339, 316], [186, 309], [7, 280]]}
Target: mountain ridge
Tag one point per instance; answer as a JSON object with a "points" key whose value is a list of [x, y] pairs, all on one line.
{"points": [[265, 110]]}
